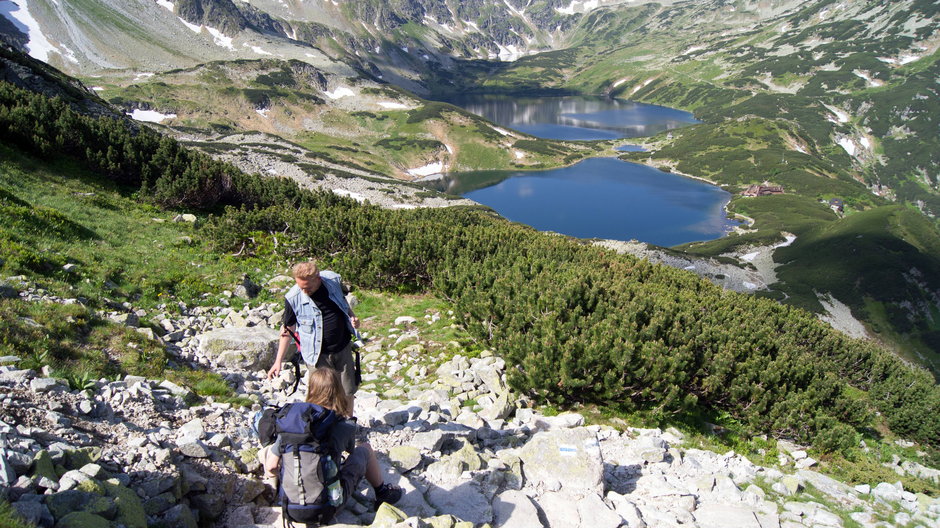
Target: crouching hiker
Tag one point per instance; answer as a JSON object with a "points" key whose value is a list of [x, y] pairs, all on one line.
{"points": [[318, 318], [304, 463]]}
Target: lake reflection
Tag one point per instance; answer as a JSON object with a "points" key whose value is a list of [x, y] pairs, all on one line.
{"points": [[575, 117], [602, 198]]}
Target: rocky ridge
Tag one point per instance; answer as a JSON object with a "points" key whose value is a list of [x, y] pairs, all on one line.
{"points": [[468, 452]]}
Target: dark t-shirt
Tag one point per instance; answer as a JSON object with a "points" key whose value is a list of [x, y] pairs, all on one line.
{"points": [[336, 334]]}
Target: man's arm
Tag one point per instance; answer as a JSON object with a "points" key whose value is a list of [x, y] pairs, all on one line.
{"points": [[281, 350]]}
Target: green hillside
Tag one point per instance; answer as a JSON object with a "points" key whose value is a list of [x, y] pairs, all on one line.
{"points": [[581, 324]]}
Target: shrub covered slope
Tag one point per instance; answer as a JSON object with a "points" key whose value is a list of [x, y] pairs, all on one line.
{"points": [[580, 324]]}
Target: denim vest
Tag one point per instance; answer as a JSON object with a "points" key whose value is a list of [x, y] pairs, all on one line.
{"points": [[309, 318]]}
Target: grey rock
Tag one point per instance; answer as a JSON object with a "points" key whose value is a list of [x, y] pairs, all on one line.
{"points": [[395, 418], [627, 510], [514, 509], [561, 509], [429, 441], [85, 407], [191, 430], [596, 514], [465, 501], [571, 453], [71, 479], [242, 516], [7, 473], [180, 516], [405, 320], [9, 360], [194, 449], [159, 504], [64, 502], [242, 348], [126, 319], [42, 385], [34, 512], [210, 506], [724, 515]]}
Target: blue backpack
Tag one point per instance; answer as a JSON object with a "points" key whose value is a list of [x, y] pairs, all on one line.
{"points": [[309, 490]]}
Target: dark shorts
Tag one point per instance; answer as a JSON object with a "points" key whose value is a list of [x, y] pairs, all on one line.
{"points": [[352, 470], [344, 363]]}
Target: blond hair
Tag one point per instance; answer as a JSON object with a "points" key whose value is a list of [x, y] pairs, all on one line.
{"points": [[305, 270], [325, 389]]}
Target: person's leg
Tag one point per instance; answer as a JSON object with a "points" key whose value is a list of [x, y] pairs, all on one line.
{"points": [[363, 463]]}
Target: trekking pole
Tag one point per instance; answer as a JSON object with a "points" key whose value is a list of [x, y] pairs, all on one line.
{"points": [[357, 344], [295, 360]]}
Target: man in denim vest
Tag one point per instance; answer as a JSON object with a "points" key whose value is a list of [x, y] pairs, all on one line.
{"points": [[316, 309]]}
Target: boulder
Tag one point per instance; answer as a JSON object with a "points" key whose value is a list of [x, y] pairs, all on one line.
{"points": [[82, 520], [405, 458], [571, 455], [723, 515], [514, 509], [41, 385], [250, 348], [34, 512], [595, 513], [465, 500], [180, 516]]}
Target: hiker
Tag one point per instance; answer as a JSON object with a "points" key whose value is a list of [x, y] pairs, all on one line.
{"points": [[316, 309], [325, 389]]}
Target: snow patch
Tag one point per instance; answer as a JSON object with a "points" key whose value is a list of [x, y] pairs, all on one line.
{"points": [[750, 256], [350, 194], [640, 86], [194, 27], [392, 105], [220, 38], [263, 113], [17, 12], [749, 285], [693, 49], [576, 6], [872, 82], [621, 81], [848, 145], [519, 154], [431, 168], [907, 59], [143, 75], [787, 240], [166, 5], [450, 149], [97, 88], [150, 116], [841, 116], [502, 131], [865, 143], [257, 49], [339, 93]]}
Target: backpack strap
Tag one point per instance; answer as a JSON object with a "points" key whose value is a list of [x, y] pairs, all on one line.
{"points": [[297, 475]]}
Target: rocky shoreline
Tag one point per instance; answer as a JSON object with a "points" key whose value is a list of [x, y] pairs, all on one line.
{"points": [[135, 452]]}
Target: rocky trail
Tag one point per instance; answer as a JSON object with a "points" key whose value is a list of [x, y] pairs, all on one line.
{"points": [[142, 452]]}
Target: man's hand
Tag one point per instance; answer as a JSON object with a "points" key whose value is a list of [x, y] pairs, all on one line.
{"points": [[354, 320], [275, 370]]}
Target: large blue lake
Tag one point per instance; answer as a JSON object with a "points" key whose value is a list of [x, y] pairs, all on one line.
{"points": [[599, 197]]}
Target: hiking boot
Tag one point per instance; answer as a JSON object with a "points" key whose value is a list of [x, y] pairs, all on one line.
{"points": [[389, 493]]}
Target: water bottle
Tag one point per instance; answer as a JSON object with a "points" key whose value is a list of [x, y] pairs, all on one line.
{"points": [[335, 489]]}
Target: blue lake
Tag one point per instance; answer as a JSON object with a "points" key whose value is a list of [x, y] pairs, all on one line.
{"points": [[598, 197]]}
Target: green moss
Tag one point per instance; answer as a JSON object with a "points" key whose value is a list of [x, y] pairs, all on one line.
{"points": [[130, 508]]}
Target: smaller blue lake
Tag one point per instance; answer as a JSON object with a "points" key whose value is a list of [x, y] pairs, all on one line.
{"points": [[598, 197], [575, 117]]}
